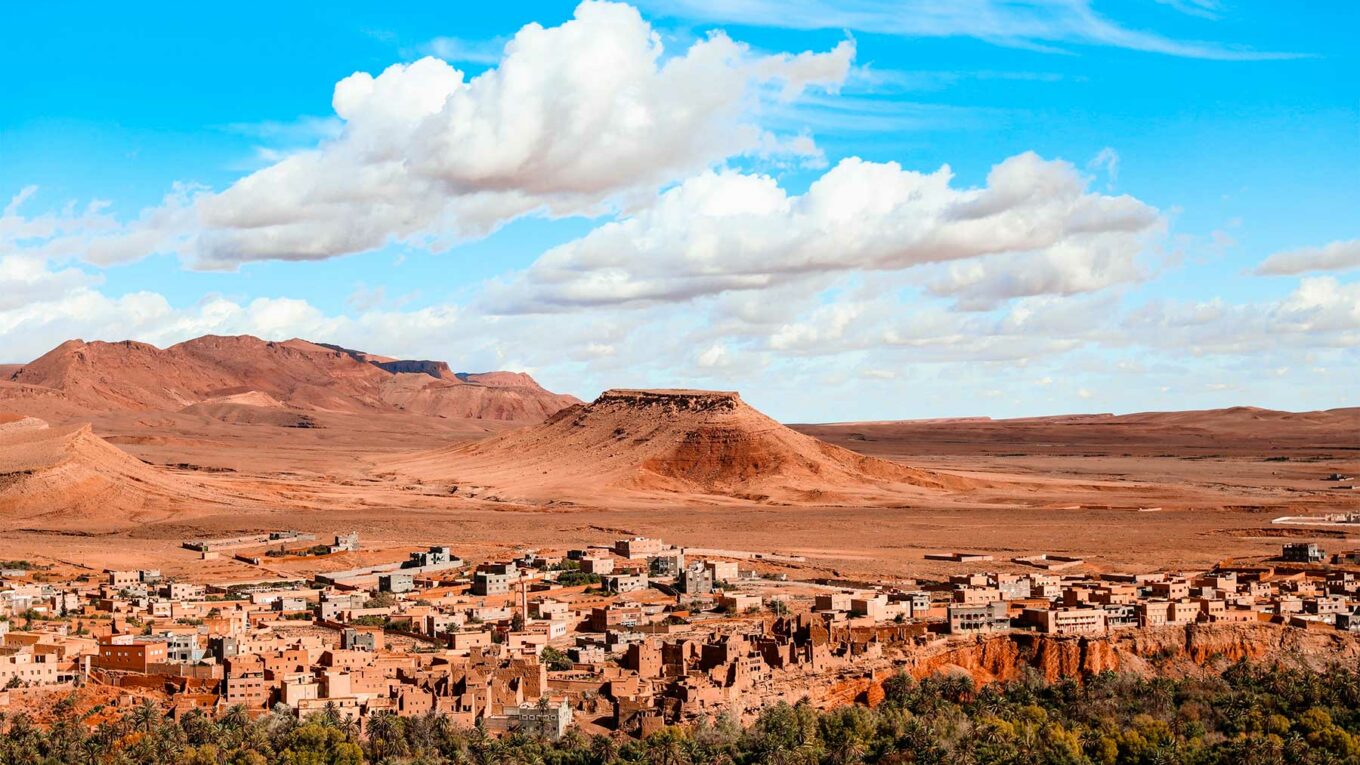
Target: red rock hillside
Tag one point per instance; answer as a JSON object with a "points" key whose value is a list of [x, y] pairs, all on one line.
{"points": [[243, 371], [668, 441]]}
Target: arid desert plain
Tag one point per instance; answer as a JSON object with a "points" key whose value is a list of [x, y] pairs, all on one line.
{"points": [[127, 467]]}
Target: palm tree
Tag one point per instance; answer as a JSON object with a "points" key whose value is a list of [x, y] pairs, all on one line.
{"points": [[385, 736], [352, 727], [604, 749], [236, 717], [145, 716], [666, 747], [330, 715]]}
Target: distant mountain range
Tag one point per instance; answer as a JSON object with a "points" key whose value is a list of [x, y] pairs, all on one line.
{"points": [[223, 374]]}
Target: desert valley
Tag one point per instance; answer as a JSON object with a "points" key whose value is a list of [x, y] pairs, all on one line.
{"points": [[178, 500], [127, 442]]}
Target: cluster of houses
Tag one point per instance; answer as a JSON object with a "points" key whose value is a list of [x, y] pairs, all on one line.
{"points": [[625, 637]]}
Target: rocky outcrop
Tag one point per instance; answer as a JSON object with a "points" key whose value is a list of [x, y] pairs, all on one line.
{"points": [[1213, 644], [1183, 650], [708, 443], [667, 403], [439, 370]]}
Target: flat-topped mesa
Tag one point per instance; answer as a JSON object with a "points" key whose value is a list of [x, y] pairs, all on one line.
{"points": [[672, 400], [673, 441], [439, 370]]}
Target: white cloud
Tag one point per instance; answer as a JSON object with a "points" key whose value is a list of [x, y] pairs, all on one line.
{"points": [[25, 277], [1207, 9], [364, 298], [1321, 312], [95, 235], [727, 231], [853, 329], [717, 357], [457, 49], [25, 280], [1107, 161], [575, 119], [728, 278], [1335, 256], [1092, 263]]}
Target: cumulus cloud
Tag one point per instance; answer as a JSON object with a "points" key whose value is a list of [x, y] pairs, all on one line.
{"points": [[1032, 328], [574, 119], [724, 231], [1096, 262], [1320, 312], [94, 234], [1336, 256], [25, 276], [25, 279]]}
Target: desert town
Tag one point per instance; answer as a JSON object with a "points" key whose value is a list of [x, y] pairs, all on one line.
{"points": [[295, 531], [620, 639], [681, 382]]}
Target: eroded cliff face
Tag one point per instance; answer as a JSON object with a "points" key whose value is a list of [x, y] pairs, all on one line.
{"points": [[1210, 645], [669, 402], [1176, 651]]}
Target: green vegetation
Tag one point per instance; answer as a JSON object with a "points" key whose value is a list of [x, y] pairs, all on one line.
{"points": [[555, 659], [376, 620], [1252, 714], [577, 578], [381, 600]]}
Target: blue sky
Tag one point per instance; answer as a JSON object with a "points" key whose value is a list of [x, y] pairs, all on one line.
{"points": [[577, 219]]}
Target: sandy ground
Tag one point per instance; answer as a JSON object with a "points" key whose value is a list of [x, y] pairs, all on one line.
{"points": [[1146, 497]]}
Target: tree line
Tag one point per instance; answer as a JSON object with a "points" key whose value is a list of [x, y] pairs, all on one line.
{"points": [[1250, 714]]}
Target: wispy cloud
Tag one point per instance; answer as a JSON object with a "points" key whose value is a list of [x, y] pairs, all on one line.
{"points": [[1044, 25], [306, 129], [861, 114], [464, 51], [1341, 255], [892, 81], [1205, 9], [1106, 161], [276, 140]]}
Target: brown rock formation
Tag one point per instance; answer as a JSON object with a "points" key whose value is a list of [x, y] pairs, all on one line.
{"points": [[233, 372], [1193, 648], [670, 441], [69, 478]]}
